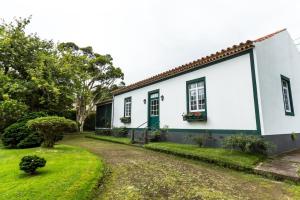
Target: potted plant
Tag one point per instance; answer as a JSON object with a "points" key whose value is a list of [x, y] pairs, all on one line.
{"points": [[125, 120], [195, 116]]}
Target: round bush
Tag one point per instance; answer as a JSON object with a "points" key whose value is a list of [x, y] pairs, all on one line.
{"points": [[51, 128], [29, 164], [18, 135]]}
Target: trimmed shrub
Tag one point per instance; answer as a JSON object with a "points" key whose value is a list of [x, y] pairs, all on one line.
{"points": [[52, 128], [248, 143], [29, 164], [120, 132], [18, 135]]}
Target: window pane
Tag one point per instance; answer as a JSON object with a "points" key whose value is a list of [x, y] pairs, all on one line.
{"points": [[197, 96]]}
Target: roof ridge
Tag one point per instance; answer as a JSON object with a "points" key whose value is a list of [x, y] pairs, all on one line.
{"points": [[223, 53], [269, 35]]}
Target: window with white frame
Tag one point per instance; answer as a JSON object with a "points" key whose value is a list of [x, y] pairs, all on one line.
{"points": [[127, 107], [287, 96], [196, 96]]}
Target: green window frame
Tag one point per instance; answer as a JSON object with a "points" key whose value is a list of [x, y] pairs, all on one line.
{"points": [[287, 96], [127, 106], [196, 100]]}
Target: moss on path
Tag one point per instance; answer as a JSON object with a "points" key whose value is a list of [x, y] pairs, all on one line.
{"points": [[138, 173]]}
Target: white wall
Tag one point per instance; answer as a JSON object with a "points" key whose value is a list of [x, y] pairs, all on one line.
{"points": [[229, 91], [274, 57]]}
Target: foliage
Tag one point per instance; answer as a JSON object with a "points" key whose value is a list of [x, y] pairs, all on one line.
{"points": [[120, 140], [32, 115], [51, 128], [70, 173], [70, 114], [10, 111], [120, 132], [18, 135], [294, 136], [248, 143], [200, 140], [30, 71], [125, 120], [223, 157], [104, 132], [194, 116], [93, 77], [29, 164], [90, 122]]}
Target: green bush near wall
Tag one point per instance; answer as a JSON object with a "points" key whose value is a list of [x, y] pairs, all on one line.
{"points": [[90, 122]]}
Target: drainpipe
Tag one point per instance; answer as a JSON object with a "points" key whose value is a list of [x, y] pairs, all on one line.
{"points": [[112, 112]]}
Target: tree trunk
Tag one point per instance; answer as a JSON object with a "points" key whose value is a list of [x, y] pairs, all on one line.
{"points": [[81, 112]]}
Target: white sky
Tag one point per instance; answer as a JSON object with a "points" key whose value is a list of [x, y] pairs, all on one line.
{"points": [[148, 37]]}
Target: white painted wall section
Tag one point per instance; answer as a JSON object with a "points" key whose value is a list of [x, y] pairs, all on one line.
{"points": [[229, 91], [278, 56]]}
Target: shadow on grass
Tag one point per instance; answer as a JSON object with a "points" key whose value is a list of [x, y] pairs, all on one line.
{"points": [[36, 174]]}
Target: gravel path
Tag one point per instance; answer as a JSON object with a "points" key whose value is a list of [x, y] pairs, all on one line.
{"points": [[137, 173]]}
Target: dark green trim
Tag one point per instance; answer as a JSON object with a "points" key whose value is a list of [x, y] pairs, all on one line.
{"points": [[149, 93], [290, 95], [255, 97], [188, 96], [256, 106], [130, 106], [191, 70], [209, 131]]}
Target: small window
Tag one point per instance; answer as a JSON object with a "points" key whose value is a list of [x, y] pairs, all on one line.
{"points": [[127, 107], [196, 95], [287, 96]]}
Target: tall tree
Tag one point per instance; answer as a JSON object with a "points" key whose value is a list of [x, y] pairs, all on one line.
{"points": [[30, 68], [93, 76]]}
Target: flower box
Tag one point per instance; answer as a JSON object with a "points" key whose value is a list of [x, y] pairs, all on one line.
{"points": [[195, 116], [125, 120]]}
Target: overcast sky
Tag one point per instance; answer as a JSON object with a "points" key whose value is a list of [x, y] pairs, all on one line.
{"points": [[148, 37]]}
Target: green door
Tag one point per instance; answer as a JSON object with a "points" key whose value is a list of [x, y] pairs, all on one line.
{"points": [[153, 105]]}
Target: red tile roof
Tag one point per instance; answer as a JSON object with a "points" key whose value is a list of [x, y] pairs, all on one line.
{"points": [[235, 49]]}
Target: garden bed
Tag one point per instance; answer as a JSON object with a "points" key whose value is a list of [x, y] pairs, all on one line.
{"points": [[70, 173], [223, 157], [120, 140]]}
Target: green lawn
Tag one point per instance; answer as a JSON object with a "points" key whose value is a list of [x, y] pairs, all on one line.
{"points": [[121, 140], [225, 157], [70, 173]]}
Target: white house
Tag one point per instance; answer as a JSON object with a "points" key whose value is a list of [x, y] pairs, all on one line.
{"points": [[250, 88]]}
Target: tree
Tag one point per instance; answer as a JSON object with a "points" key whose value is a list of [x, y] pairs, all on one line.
{"points": [[30, 71], [93, 76]]}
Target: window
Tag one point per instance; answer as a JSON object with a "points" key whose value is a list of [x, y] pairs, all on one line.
{"points": [[287, 96], [127, 107], [196, 95], [154, 107]]}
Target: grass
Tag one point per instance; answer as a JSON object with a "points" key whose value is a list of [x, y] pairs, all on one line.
{"points": [[120, 140], [70, 173], [224, 157], [137, 173]]}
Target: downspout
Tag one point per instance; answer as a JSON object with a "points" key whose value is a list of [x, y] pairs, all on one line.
{"points": [[112, 112]]}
